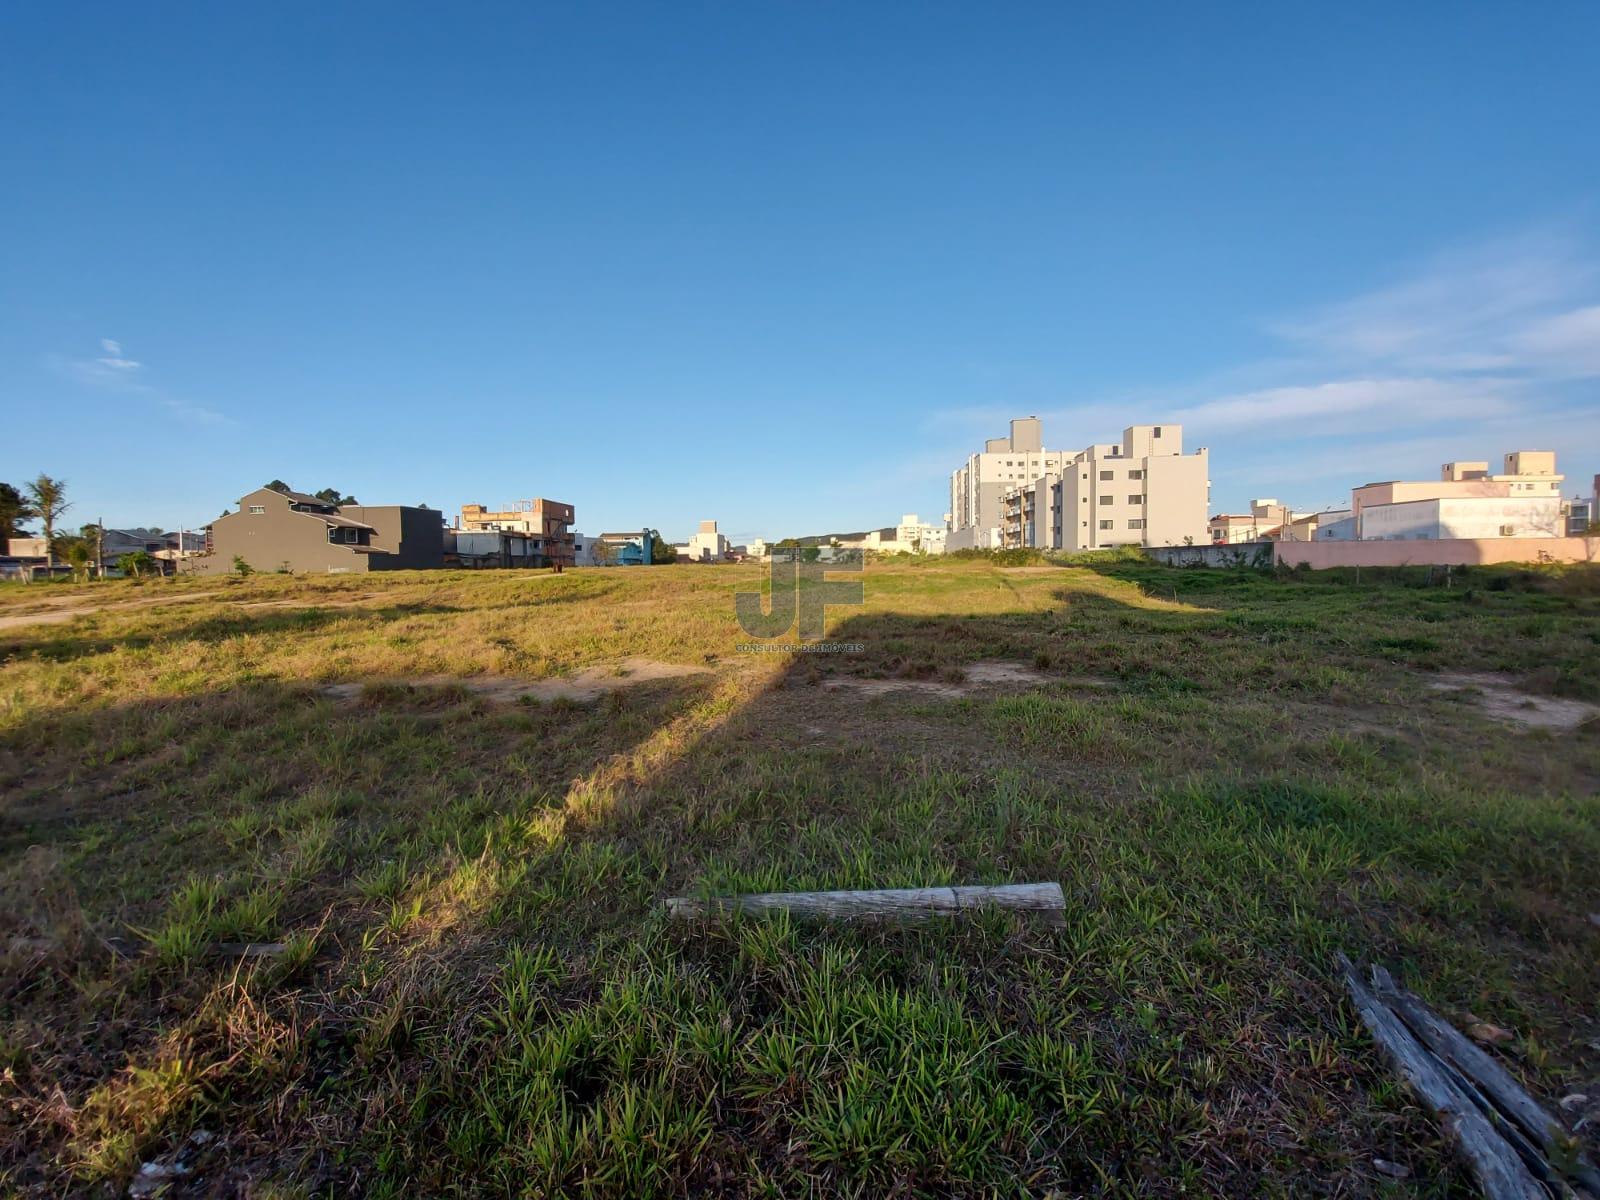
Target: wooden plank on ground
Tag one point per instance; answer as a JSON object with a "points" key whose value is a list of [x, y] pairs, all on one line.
{"points": [[906, 904], [1452, 1047]]}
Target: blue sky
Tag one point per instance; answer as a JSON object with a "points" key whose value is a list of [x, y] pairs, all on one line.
{"points": [[784, 265]]}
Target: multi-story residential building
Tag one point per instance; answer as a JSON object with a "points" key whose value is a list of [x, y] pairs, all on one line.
{"points": [[1141, 491], [550, 520], [978, 486], [1466, 501], [291, 531]]}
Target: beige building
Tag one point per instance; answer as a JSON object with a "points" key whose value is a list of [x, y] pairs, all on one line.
{"points": [[1525, 473], [1141, 491], [1266, 520], [548, 520]]}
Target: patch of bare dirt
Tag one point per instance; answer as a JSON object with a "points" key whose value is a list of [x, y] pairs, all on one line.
{"points": [[587, 685], [1500, 699], [995, 673]]}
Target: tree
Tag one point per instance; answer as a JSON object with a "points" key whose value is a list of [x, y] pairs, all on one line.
{"points": [[14, 510], [335, 497], [136, 563], [661, 552], [80, 553], [49, 499], [278, 485]]}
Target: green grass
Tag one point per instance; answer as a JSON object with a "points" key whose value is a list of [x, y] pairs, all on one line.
{"points": [[1231, 774]]}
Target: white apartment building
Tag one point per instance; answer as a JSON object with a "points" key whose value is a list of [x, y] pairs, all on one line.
{"points": [[1141, 491], [914, 536], [707, 545]]}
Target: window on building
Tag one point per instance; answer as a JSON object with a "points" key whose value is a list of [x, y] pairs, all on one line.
{"points": [[1108, 474], [1106, 524], [1135, 474], [1158, 431], [1136, 524], [1135, 499], [257, 510], [1105, 499], [1508, 531]]}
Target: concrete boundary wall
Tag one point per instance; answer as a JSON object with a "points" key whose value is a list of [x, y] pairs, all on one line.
{"points": [[1239, 554], [1441, 552]]}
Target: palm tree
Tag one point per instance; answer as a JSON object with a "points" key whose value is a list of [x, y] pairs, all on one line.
{"points": [[49, 498]]}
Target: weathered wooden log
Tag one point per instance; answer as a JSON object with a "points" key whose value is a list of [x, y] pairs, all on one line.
{"points": [[1488, 1076], [906, 904], [1499, 1171]]}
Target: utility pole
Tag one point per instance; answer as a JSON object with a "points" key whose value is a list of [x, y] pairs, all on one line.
{"points": [[100, 546]]}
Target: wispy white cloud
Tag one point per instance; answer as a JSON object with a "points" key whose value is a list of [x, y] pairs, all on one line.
{"points": [[1479, 309], [110, 368], [113, 360], [114, 371], [195, 413], [1326, 406], [1567, 342]]}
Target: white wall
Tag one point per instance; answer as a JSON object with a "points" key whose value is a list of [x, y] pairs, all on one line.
{"points": [[1526, 516], [1463, 517]]}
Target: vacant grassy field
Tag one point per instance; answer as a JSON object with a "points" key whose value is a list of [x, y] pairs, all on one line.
{"points": [[1231, 776]]}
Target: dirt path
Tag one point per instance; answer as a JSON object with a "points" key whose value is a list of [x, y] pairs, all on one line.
{"points": [[65, 608], [586, 685]]}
